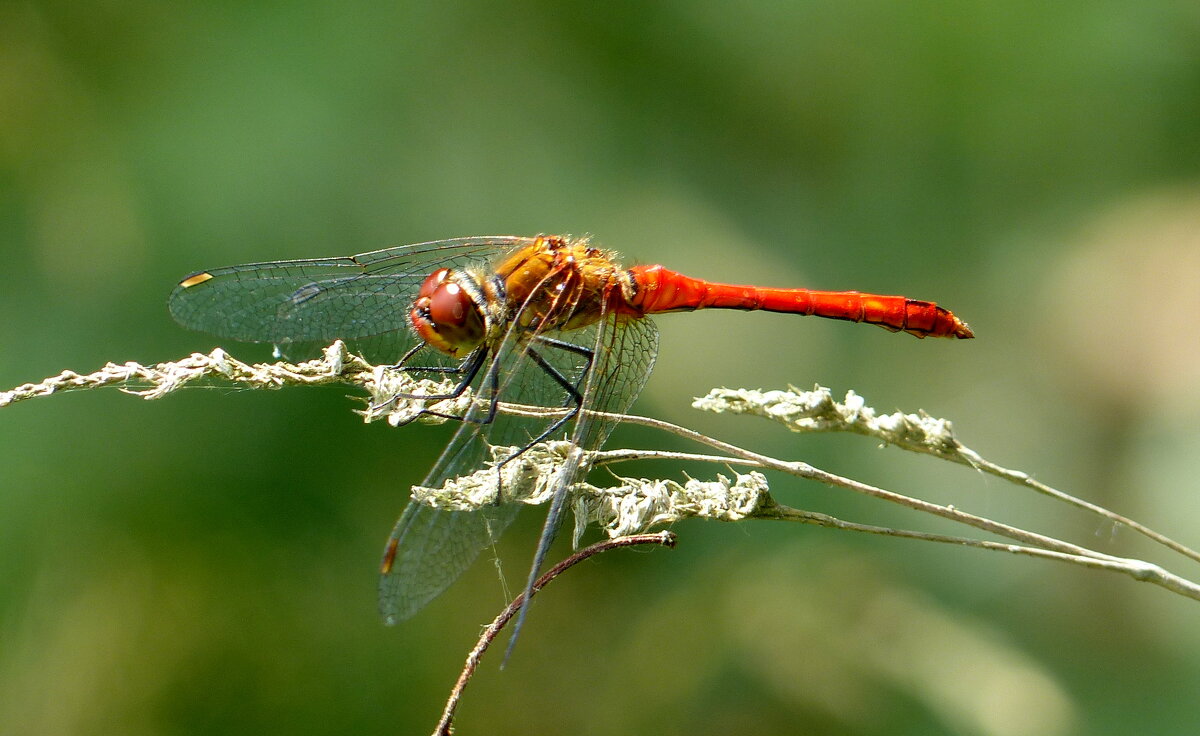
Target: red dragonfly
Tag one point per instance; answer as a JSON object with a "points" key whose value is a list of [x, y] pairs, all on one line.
{"points": [[545, 321]]}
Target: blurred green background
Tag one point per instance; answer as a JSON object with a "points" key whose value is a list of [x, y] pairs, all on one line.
{"points": [[206, 564]]}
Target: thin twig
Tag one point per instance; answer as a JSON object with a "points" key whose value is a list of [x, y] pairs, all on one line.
{"points": [[804, 470], [1136, 569], [818, 411], [665, 539], [767, 508], [638, 503], [800, 411], [607, 457], [1023, 479], [1053, 548]]}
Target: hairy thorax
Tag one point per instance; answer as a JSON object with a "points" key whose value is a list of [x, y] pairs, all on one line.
{"points": [[559, 284]]}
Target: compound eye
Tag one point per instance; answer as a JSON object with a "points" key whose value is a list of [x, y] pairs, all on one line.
{"points": [[445, 316], [432, 282], [449, 305]]}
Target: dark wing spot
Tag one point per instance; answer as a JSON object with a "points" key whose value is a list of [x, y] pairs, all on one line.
{"points": [[304, 293]]}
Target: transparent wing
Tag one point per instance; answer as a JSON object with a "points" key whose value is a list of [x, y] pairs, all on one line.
{"points": [[432, 548], [624, 355], [429, 549], [363, 299]]}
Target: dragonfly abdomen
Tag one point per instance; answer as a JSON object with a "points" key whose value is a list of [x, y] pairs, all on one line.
{"points": [[661, 290]]}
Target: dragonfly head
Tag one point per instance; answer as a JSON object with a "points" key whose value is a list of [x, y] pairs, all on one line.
{"points": [[446, 316]]}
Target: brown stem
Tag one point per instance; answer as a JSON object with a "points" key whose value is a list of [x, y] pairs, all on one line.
{"points": [[666, 539]]}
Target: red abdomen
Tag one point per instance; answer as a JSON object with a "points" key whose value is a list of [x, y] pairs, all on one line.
{"points": [[658, 290]]}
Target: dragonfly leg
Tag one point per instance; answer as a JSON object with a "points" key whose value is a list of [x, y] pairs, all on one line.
{"points": [[574, 396], [468, 369], [407, 357], [460, 368], [491, 384]]}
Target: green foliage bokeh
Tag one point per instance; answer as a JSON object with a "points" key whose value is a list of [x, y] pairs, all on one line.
{"points": [[206, 564]]}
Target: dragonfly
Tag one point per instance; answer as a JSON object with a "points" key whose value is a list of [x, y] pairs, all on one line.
{"points": [[545, 321]]}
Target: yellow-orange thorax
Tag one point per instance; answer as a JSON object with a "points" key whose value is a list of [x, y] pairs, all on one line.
{"points": [[558, 284]]}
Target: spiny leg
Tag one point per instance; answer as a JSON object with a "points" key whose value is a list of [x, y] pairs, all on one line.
{"points": [[468, 369], [574, 396], [588, 354], [490, 386]]}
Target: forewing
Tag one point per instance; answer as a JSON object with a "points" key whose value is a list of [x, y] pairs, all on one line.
{"points": [[428, 548], [624, 355], [363, 299]]}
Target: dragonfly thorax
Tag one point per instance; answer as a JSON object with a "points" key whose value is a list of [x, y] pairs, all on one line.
{"points": [[447, 316]]}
